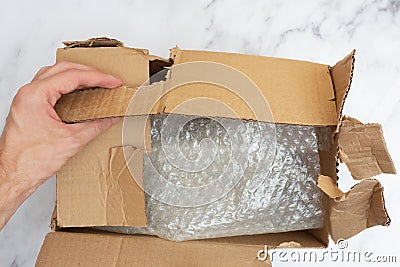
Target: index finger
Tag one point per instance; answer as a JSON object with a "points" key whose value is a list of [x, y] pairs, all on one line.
{"points": [[59, 67], [62, 83]]}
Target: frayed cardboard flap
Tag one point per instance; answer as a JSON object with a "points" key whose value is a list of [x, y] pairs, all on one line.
{"points": [[352, 212], [342, 76], [363, 149]]}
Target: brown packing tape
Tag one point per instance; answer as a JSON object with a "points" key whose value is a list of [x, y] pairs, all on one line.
{"points": [[363, 149], [352, 212]]}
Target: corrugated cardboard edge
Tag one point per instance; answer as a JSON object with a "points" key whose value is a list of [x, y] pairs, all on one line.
{"points": [[342, 77], [363, 149], [358, 209], [94, 42], [83, 105]]}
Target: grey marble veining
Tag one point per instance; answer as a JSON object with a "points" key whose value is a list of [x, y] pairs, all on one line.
{"points": [[322, 31]]}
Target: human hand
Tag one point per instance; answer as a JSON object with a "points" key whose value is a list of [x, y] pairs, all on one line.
{"points": [[35, 143]]}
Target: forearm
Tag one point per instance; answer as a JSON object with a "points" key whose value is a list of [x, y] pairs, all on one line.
{"points": [[12, 195]]}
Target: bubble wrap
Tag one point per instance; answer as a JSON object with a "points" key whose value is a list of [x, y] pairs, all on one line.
{"points": [[209, 177]]}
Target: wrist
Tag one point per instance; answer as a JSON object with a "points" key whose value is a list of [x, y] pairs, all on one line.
{"points": [[12, 195], [9, 182]]}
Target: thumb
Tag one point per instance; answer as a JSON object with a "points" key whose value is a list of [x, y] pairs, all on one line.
{"points": [[88, 130]]}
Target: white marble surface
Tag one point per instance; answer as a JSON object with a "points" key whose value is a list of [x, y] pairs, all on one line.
{"points": [[322, 31]]}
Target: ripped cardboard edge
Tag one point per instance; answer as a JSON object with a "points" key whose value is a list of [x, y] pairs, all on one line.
{"points": [[342, 77], [53, 220], [94, 42], [362, 207], [363, 149]]}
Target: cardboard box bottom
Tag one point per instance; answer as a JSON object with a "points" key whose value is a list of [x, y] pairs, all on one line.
{"points": [[96, 248]]}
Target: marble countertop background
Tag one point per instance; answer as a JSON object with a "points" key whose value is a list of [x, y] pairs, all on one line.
{"points": [[322, 31]]}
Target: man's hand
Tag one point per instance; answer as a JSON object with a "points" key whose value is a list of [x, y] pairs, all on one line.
{"points": [[35, 143]]}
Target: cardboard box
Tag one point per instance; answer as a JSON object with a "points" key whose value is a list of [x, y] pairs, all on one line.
{"points": [[95, 188]]}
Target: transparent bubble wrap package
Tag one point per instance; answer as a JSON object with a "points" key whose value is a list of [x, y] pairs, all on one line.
{"points": [[213, 177]]}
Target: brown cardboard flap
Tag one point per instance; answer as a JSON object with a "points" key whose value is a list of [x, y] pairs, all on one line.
{"points": [[94, 42], [352, 212], [84, 249], [285, 91], [298, 92], [342, 75], [363, 149], [94, 188], [129, 64], [94, 104]]}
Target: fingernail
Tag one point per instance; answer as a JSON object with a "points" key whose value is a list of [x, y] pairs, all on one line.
{"points": [[115, 120], [115, 78]]}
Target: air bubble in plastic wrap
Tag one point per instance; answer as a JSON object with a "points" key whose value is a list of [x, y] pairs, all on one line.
{"points": [[215, 177]]}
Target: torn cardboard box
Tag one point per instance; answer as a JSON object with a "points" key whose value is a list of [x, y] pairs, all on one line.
{"points": [[301, 93]]}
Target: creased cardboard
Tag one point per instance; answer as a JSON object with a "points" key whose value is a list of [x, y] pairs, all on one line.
{"points": [[124, 198], [360, 208], [363, 149], [95, 181]]}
